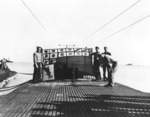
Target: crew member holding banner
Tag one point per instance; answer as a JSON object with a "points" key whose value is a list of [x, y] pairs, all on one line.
{"points": [[96, 61], [38, 65]]}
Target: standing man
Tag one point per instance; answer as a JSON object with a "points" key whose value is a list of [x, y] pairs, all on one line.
{"points": [[111, 66], [38, 64], [96, 60], [105, 68], [4, 66]]}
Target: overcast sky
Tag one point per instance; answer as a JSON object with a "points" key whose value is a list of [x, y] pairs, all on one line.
{"points": [[71, 22]]}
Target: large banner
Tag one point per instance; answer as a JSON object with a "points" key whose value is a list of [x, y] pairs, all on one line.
{"points": [[64, 62], [50, 55]]}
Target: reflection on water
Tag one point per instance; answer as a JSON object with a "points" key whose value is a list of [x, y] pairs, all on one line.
{"points": [[134, 76]]}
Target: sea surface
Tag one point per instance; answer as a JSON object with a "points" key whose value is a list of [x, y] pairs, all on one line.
{"points": [[21, 67], [134, 76]]}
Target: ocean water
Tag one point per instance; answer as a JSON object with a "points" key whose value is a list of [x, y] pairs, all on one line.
{"points": [[21, 67], [134, 76]]}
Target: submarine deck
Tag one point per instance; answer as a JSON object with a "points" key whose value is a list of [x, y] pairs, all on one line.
{"points": [[74, 99]]}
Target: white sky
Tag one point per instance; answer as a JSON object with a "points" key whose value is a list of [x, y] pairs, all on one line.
{"points": [[71, 22]]}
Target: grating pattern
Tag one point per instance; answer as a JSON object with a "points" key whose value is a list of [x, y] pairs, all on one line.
{"points": [[74, 100]]}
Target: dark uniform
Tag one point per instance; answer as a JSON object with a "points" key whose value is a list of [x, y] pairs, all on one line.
{"points": [[96, 64], [111, 66], [105, 64]]}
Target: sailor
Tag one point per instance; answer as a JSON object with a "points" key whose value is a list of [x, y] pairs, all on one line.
{"points": [[38, 64], [96, 60], [111, 65], [3, 65], [105, 69]]}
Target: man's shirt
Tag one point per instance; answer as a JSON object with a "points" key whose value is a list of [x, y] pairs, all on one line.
{"points": [[38, 57], [106, 53], [96, 58]]}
